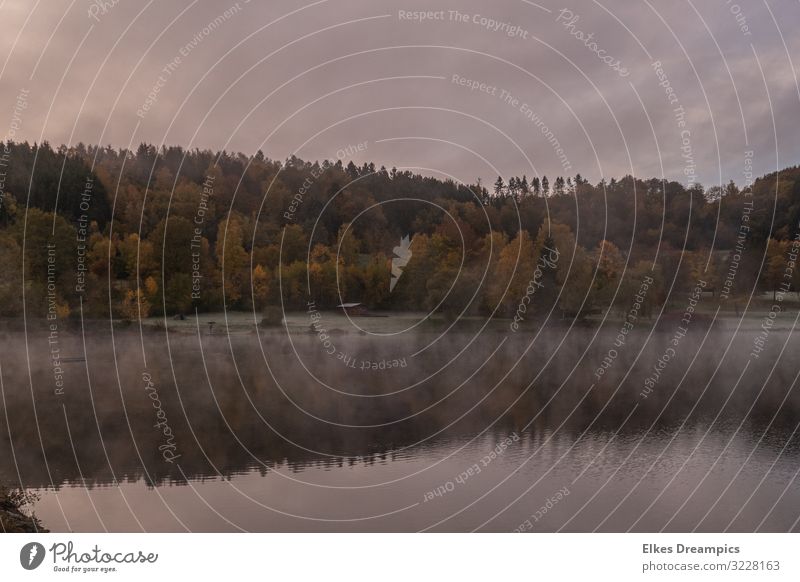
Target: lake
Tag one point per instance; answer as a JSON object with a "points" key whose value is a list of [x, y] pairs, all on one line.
{"points": [[401, 426]]}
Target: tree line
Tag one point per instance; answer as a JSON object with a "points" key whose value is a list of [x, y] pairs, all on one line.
{"points": [[167, 230]]}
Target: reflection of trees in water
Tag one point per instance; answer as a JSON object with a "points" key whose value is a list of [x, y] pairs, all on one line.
{"points": [[224, 425]]}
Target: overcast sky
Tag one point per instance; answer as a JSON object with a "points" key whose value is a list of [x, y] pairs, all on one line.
{"points": [[311, 79]]}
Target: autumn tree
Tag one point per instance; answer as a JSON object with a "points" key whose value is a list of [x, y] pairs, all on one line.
{"points": [[261, 286], [775, 265], [512, 273], [610, 264], [233, 260]]}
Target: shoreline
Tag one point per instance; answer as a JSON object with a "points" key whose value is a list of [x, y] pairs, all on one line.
{"points": [[12, 517]]}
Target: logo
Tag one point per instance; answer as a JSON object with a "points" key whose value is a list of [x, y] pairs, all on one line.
{"points": [[403, 255], [31, 555]]}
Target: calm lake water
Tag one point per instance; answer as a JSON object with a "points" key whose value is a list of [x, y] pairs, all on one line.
{"points": [[351, 431]]}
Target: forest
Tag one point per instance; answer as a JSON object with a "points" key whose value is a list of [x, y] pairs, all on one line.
{"points": [[167, 231]]}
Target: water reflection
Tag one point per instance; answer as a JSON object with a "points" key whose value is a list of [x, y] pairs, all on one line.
{"points": [[255, 443]]}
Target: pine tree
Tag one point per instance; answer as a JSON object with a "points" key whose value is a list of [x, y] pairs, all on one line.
{"points": [[558, 189], [499, 186]]}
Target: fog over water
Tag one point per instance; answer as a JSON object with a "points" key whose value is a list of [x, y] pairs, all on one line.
{"points": [[475, 431]]}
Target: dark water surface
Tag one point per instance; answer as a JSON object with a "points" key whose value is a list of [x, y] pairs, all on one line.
{"points": [[214, 432]]}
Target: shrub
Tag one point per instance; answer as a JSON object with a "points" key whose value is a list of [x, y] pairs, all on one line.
{"points": [[272, 316]]}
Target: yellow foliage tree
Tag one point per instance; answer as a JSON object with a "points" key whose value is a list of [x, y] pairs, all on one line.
{"points": [[261, 278], [135, 305]]}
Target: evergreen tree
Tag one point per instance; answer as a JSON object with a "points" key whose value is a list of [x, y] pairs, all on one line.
{"points": [[499, 186]]}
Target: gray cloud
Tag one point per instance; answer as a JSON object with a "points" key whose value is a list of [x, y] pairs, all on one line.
{"points": [[327, 74]]}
